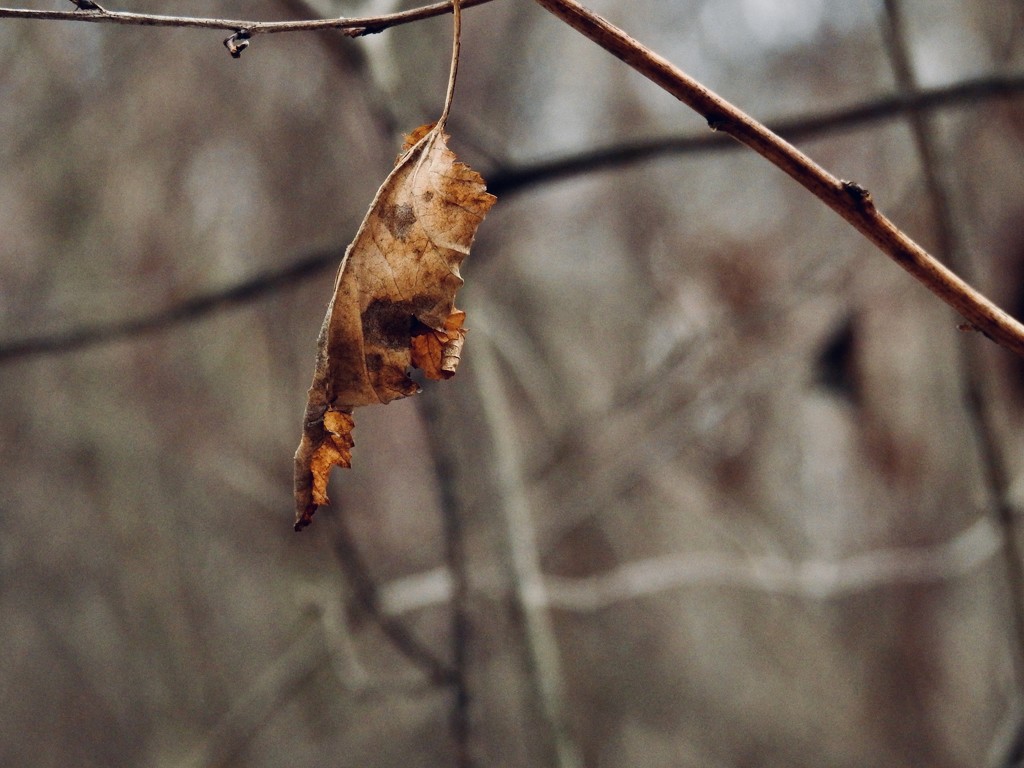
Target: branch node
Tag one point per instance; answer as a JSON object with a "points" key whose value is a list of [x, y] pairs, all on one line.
{"points": [[860, 196], [717, 122], [237, 43], [363, 31], [88, 5], [969, 327]]}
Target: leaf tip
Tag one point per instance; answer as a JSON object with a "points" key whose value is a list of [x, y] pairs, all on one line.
{"points": [[325, 445]]}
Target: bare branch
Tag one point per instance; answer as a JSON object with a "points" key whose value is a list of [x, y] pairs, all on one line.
{"points": [[817, 579], [352, 27], [352, 59], [513, 180], [188, 310], [365, 591], [811, 579], [869, 112], [452, 510], [976, 376], [522, 559], [279, 682], [847, 198]]}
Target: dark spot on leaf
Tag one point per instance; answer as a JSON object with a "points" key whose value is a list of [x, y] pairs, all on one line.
{"points": [[387, 324], [398, 219]]}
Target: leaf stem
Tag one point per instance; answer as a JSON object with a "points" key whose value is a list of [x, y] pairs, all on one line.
{"points": [[454, 71], [849, 200]]}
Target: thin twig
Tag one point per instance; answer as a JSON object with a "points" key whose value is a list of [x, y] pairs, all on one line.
{"points": [[510, 181], [821, 580], [352, 60], [848, 199], [975, 375], [188, 310], [281, 680], [523, 559], [506, 181], [365, 591], [812, 579], [354, 27], [445, 468]]}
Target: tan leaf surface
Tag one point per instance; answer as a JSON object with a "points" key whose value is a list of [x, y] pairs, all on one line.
{"points": [[397, 280]]}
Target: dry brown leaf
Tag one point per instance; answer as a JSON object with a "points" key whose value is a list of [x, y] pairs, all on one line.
{"points": [[335, 450], [397, 281], [437, 352]]}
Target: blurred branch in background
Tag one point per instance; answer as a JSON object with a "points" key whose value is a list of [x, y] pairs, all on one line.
{"points": [[325, 637], [807, 579], [365, 591], [975, 375], [189, 310], [522, 561], [870, 112], [279, 681], [351, 58], [510, 180], [446, 473]]}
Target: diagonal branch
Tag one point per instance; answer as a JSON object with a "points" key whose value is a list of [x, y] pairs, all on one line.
{"points": [[848, 199], [355, 27], [351, 59], [188, 310], [868, 112], [509, 181], [366, 595]]}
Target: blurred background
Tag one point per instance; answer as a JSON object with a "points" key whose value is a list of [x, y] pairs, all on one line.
{"points": [[717, 483]]}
